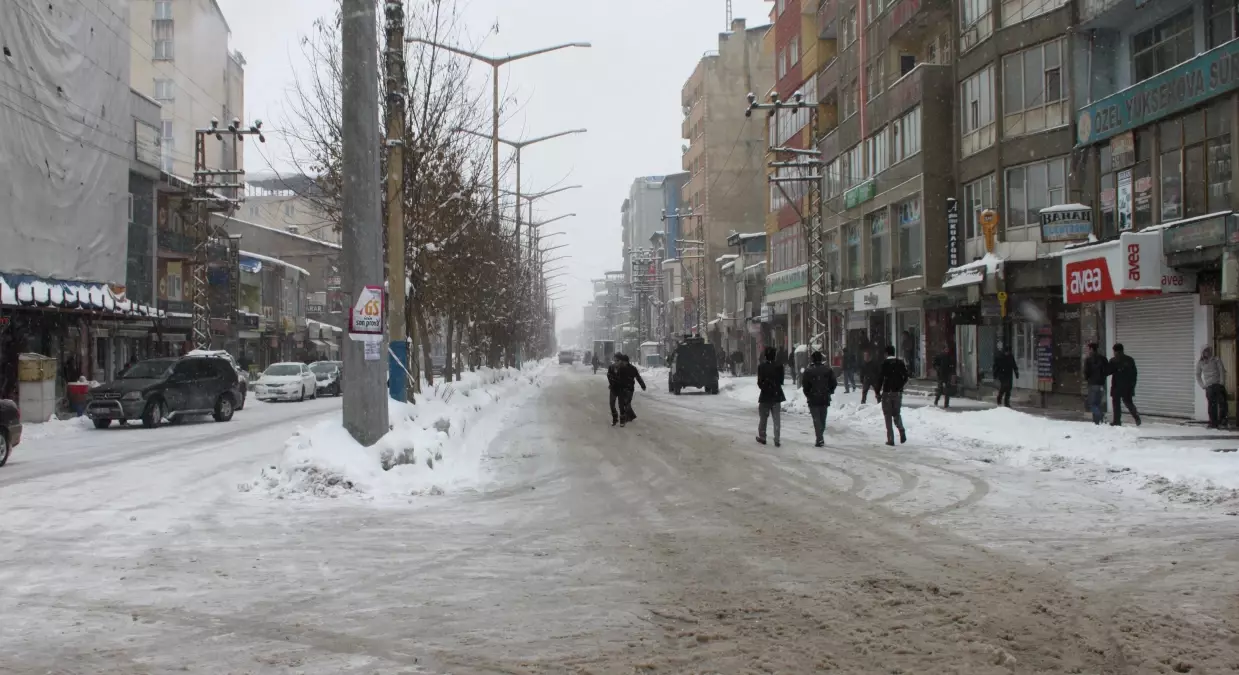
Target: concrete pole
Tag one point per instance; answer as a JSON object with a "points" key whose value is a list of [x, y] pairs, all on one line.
{"points": [[494, 147], [365, 396], [396, 321]]}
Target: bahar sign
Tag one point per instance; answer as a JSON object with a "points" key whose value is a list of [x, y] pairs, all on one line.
{"points": [[1212, 73]]}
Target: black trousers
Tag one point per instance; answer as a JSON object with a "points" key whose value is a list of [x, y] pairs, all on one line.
{"points": [[1125, 399], [865, 386], [943, 391], [624, 398], [1004, 392], [1218, 405]]}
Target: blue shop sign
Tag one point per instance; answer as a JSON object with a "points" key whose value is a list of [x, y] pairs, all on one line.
{"points": [[1210, 74]]}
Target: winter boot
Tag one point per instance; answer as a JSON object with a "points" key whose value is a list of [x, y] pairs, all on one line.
{"points": [[761, 440], [903, 437]]}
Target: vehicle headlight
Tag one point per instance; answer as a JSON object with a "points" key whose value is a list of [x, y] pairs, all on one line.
{"points": [[132, 396]]}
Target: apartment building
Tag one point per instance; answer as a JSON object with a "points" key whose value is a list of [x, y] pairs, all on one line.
{"points": [[725, 154], [180, 57], [887, 184]]}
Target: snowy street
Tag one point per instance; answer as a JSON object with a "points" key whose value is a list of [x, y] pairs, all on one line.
{"points": [[674, 545]]}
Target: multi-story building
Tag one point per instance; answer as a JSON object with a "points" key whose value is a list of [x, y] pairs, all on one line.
{"points": [[673, 193], [179, 56], [641, 215], [1154, 105], [886, 75], [288, 203], [725, 155]]}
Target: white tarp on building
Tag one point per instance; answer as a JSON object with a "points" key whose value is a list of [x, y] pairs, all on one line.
{"points": [[67, 139]]}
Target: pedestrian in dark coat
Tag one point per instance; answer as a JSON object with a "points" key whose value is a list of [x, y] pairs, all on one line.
{"points": [[737, 362], [1096, 370], [1122, 385], [769, 402], [892, 378], [944, 370], [819, 385], [849, 370], [1005, 372], [870, 371], [623, 378], [1211, 376], [781, 357]]}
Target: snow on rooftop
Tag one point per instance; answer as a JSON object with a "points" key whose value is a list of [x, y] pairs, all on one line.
{"points": [[283, 232], [725, 257], [273, 261]]}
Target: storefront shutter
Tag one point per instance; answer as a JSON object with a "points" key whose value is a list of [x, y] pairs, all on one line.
{"points": [[1158, 333]]}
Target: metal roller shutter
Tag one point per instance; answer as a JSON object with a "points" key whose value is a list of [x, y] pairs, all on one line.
{"points": [[1158, 333]]}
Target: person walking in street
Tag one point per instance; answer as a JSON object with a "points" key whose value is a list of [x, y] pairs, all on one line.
{"points": [[626, 379], [893, 377], [1096, 369], [596, 363], [769, 402], [819, 383], [1122, 385], [849, 370], [781, 357], [870, 371], [737, 362], [1211, 376], [944, 370], [1005, 371]]}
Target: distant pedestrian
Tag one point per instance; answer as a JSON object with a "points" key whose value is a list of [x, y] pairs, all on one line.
{"points": [[944, 371], [770, 383], [1211, 376], [893, 377], [819, 385], [849, 370], [870, 371], [737, 362], [1005, 372], [1096, 369], [1122, 385], [781, 357]]}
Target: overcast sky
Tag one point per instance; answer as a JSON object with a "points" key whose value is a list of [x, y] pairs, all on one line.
{"points": [[625, 90]]}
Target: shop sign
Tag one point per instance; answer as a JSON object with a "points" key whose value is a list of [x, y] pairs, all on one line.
{"points": [[315, 309], [1045, 358], [1125, 200], [991, 307], [1208, 75], [1122, 151], [1129, 266], [1194, 235], [953, 257], [787, 280], [1066, 224], [868, 298], [860, 194], [365, 320]]}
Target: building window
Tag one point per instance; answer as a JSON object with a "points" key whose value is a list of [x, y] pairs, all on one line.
{"points": [[782, 6], [879, 246], [165, 90], [1030, 188], [875, 77], [161, 32], [832, 259], [1171, 144], [129, 202], [1221, 22], [977, 107], [782, 64], [978, 196], [1217, 155], [911, 252], [1015, 11], [853, 166], [907, 130], [849, 27], [873, 8], [848, 99], [163, 9], [1034, 96], [793, 51], [1162, 47], [288, 210], [878, 152], [976, 23], [167, 145], [852, 239], [834, 182]]}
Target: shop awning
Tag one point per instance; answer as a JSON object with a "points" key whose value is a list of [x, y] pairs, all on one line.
{"points": [[39, 293], [1127, 267], [964, 278]]}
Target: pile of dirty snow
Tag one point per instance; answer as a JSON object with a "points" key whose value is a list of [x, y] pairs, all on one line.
{"points": [[435, 445]]}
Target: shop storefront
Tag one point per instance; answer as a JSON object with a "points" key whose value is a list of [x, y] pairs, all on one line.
{"points": [[871, 322]]}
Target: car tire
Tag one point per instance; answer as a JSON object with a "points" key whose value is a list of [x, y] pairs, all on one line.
{"points": [[302, 398], [314, 394], [152, 416], [5, 449], [102, 424], [241, 405], [223, 408]]}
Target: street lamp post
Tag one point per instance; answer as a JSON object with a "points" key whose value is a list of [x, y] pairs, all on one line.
{"points": [[494, 62]]}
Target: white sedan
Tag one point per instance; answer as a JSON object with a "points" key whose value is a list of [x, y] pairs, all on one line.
{"points": [[286, 382]]}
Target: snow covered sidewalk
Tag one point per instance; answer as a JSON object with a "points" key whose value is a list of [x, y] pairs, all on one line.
{"points": [[434, 446]]}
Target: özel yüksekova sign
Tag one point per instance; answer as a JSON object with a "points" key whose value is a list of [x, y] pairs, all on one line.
{"points": [[1212, 73]]}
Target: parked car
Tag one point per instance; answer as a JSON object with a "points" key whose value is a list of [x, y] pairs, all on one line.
{"points": [[693, 364], [242, 376], [567, 357], [288, 381], [167, 388], [10, 429], [327, 377]]}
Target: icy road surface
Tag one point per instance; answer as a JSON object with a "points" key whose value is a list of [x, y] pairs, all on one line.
{"points": [[676, 545]]}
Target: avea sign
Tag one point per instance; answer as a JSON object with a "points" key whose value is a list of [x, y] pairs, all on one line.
{"points": [[1212, 73]]}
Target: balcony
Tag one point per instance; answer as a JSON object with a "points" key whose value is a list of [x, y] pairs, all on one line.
{"points": [[827, 19], [926, 82], [911, 20]]}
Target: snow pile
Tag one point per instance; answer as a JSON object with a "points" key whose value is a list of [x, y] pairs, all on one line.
{"points": [[434, 446], [745, 389], [54, 426]]}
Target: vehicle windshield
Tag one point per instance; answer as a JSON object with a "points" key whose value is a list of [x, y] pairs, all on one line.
{"points": [[148, 370], [320, 368], [283, 370]]}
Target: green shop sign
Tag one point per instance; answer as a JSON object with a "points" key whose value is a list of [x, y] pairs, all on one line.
{"points": [[1212, 73], [787, 280], [860, 194]]}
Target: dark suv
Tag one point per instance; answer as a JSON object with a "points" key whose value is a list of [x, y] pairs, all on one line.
{"points": [[170, 388], [693, 364]]}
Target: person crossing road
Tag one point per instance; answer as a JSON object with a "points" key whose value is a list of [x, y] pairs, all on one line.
{"points": [[819, 384], [622, 379]]}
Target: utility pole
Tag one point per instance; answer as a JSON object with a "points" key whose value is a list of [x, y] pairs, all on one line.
{"points": [[807, 168], [396, 321], [693, 273], [365, 401]]}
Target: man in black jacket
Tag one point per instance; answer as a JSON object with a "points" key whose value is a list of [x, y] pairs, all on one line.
{"points": [[1122, 385], [870, 371], [769, 401], [1096, 369], [623, 378], [1005, 371], [849, 369], [819, 384], [944, 370], [893, 377]]}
